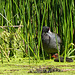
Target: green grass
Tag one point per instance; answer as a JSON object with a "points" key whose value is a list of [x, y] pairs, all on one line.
{"points": [[21, 66], [32, 16], [25, 42]]}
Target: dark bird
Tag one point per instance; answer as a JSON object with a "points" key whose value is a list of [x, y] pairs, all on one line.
{"points": [[49, 41], [61, 58]]}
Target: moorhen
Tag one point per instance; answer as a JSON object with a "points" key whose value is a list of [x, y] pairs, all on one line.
{"points": [[61, 58], [49, 40]]}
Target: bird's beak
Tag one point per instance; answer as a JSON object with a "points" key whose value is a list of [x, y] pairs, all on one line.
{"points": [[49, 31], [54, 56]]}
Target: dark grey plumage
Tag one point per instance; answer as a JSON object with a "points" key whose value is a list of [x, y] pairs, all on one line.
{"points": [[49, 40]]}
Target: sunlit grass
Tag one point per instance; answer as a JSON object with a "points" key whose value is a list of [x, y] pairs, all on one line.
{"points": [[33, 15], [21, 66]]}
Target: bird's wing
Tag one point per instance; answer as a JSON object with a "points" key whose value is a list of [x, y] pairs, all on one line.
{"points": [[55, 36], [49, 36]]}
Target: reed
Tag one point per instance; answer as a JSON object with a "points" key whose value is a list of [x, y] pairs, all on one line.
{"points": [[33, 15]]}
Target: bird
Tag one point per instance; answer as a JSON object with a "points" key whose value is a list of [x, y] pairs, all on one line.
{"points": [[49, 40], [61, 58]]}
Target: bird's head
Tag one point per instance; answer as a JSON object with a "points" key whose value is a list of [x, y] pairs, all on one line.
{"points": [[55, 55], [46, 29]]}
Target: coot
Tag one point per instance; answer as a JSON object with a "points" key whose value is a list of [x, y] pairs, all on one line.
{"points": [[49, 41], [61, 58]]}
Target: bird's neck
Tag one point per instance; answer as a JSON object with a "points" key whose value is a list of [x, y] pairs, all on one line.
{"points": [[49, 31]]}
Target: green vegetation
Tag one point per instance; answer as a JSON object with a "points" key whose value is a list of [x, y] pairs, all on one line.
{"points": [[21, 23], [21, 66]]}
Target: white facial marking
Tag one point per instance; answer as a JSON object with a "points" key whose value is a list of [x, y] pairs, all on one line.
{"points": [[49, 31]]}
